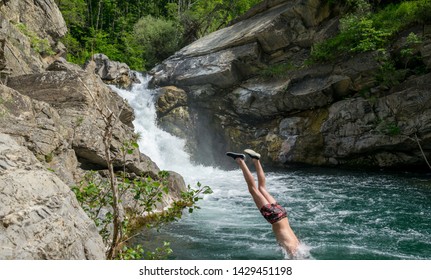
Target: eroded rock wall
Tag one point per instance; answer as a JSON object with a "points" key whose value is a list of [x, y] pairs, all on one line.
{"points": [[347, 112], [40, 217], [20, 18]]}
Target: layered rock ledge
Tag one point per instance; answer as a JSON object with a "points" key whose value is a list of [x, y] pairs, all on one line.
{"points": [[338, 113]]}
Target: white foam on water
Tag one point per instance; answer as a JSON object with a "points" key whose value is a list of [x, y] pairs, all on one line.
{"points": [[166, 150]]}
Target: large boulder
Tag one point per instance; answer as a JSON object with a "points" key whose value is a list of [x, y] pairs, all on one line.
{"points": [[77, 96], [232, 54], [112, 72], [59, 118], [172, 111], [40, 216]]}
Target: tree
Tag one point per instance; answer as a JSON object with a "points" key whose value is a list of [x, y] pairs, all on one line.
{"points": [[110, 26], [96, 194], [158, 37]]}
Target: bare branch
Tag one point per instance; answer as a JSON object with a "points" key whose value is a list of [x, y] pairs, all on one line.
{"points": [[422, 151]]}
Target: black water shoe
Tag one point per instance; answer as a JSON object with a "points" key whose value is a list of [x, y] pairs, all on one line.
{"points": [[235, 155]]}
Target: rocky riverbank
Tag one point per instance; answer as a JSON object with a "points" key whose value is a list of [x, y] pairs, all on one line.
{"points": [[51, 134]]}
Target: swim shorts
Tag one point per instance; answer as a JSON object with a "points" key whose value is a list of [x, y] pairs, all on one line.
{"points": [[273, 212]]}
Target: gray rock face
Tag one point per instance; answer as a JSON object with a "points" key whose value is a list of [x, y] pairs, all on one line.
{"points": [[51, 133], [39, 17], [68, 92], [338, 113], [16, 54], [40, 216], [112, 72], [220, 68], [228, 56]]}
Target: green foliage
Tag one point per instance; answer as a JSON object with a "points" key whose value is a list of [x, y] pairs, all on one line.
{"points": [[39, 45], [79, 121], [159, 38], [189, 199], [139, 253], [360, 6], [408, 51], [131, 253], [49, 157], [363, 36], [277, 70], [93, 193], [95, 196], [108, 26], [389, 128], [392, 129], [362, 31], [160, 253], [388, 75], [73, 11]]}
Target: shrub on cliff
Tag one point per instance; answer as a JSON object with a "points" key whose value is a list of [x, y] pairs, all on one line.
{"points": [[363, 30]]}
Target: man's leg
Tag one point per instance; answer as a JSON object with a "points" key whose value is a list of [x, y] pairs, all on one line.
{"points": [[262, 181], [259, 198]]}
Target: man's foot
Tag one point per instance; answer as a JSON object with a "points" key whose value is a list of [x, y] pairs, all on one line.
{"points": [[235, 155], [252, 153]]}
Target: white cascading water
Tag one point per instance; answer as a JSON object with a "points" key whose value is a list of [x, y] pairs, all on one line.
{"points": [[166, 150]]}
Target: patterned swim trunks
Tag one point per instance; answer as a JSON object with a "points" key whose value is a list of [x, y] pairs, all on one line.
{"points": [[273, 212]]}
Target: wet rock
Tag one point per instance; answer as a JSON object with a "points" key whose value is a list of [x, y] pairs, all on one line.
{"points": [[170, 98]]}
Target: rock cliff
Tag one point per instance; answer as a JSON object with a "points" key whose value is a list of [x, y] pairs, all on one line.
{"points": [[337, 113], [51, 134], [40, 216]]}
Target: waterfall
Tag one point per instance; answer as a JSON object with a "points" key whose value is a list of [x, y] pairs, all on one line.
{"points": [[166, 150]]}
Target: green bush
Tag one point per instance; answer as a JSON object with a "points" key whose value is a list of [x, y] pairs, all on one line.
{"points": [[388, 75], [38, 44], [363, 31], [158, 37], [277, 70], [95, 197]]}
